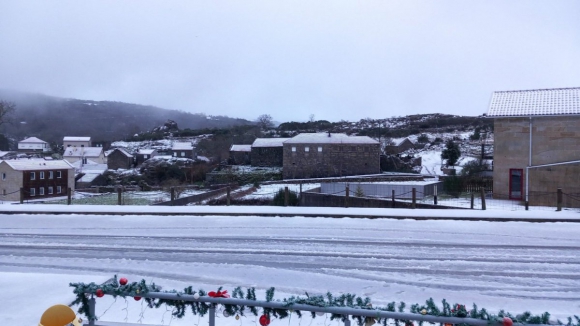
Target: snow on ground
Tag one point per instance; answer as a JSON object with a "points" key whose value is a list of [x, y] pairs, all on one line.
{"points": [[509, 265], [269, 190]]}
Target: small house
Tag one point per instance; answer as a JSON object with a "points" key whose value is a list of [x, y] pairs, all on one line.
{"points": [[268, 152], [144, 154], [240, 154], [70, 141], [33, 144], [75, 153], [119, 158], [183, 150]]}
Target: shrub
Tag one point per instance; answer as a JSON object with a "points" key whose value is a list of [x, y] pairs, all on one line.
{"points": [[279, 198]]}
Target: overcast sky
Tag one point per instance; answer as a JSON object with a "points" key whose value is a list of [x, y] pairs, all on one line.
{"points": [[334, 59]]}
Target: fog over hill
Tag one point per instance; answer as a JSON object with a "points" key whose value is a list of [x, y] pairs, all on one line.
{"points": [[51, 118]]}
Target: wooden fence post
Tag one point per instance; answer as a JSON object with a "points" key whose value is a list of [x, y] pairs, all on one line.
{"points": [[228, 196], [435, 196], [68, 196], [22, 195], [393, 198], [172, 193], [286, 196], [559, 200], [482, 199], [414, 201], [472, 200], [119, 196], [346, 197]]}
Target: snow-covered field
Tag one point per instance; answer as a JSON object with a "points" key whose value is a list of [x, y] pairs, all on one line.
{"points": [[509, 265]]}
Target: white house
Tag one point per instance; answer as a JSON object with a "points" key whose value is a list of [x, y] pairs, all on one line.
{"points": [[70, 141], [33, 144], [95, 154]]}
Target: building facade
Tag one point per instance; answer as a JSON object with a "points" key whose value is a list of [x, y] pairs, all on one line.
{"points": [[144, 154], [183, 150], [268, 152], [93, 154], [70, 141], [240, 154], [537, 137], [38, 179], [320, 155], [119, 159], [33, 144]]}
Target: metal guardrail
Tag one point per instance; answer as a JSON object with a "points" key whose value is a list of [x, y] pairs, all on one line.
{"points": [[346, 312]]}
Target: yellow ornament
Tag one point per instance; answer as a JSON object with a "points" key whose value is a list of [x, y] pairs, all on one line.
{"points": [[424, 312], [237, 317], [59, 315]]}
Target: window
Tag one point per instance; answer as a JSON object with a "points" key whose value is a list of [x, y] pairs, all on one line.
{"points": [[4, 192], [41, 191], [50, 191], [319, 149], [306, 149], [50, 174], [3, 175], [32, 192], [32, 176], [58, 174], [294, 148], [58, 189], [145, 156], [41, 174], [516, 183], [174, 153], [182, 154]]}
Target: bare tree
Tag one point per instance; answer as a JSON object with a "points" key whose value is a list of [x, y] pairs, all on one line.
{"points": [[265, 121], [311, 117], [6, 111]]}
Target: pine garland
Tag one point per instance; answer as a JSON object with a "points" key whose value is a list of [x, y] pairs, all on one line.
{"points": [[136, 289]]}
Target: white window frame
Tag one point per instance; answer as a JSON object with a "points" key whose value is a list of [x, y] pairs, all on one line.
{"points": [[32, 175], [58, 174], [50, 192], [41, 175], [50, 174], [32, 192], [182, 154], [58, 189], [293, 148], [319, 149], [41, 191], [306, 149], [145, 156]]}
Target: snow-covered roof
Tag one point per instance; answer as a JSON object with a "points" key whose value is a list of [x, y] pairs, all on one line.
{"points": [[70, 138], [241, 148], [89, 177], [556, 101], [181, 146], [324, 138], [122, 150], [31, 165], [399, 141], [83, 152], [269, 142], [33, 140], [144, 151]]}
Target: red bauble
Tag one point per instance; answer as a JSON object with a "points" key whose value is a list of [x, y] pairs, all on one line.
{"points": [[264, 320], [99, 293], [507, 321], [137, 298], [123, 281]]}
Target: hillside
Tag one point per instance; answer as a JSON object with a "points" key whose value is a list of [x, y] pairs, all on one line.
{"points": [[51, 118]]}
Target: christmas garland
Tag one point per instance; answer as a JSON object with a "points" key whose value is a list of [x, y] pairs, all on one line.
{"points": [[121, 287]]}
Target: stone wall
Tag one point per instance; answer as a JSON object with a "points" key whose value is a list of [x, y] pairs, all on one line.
{"points": [[239, 158], [330, 160], [554, 140], [266, 156]]}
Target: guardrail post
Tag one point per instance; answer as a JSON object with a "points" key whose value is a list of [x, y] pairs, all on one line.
{"points": [[119, 196], [482, 199], [228, 195], [91, 315], [68, 196], [286, 196], [414, 202], [347, 191], [472, 200], [212, 315], [435, 195], [559, 200]]}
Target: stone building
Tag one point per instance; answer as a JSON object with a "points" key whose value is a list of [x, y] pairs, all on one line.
{"points": [[319, 155], [399, 146], [267, 152], [39, 178], [119, 159], [537, 142], [240, 154], [183, 150]]}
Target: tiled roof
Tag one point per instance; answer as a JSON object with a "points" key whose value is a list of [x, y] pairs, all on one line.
{"points": [[241, 148], [182, 146], [31, 165], [556, 101], [83, 151], [70, 138], [269, 142], [33, 140], [324, 138]]}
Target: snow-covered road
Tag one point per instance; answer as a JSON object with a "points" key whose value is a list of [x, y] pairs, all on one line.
{"points": [[507, 265]]}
